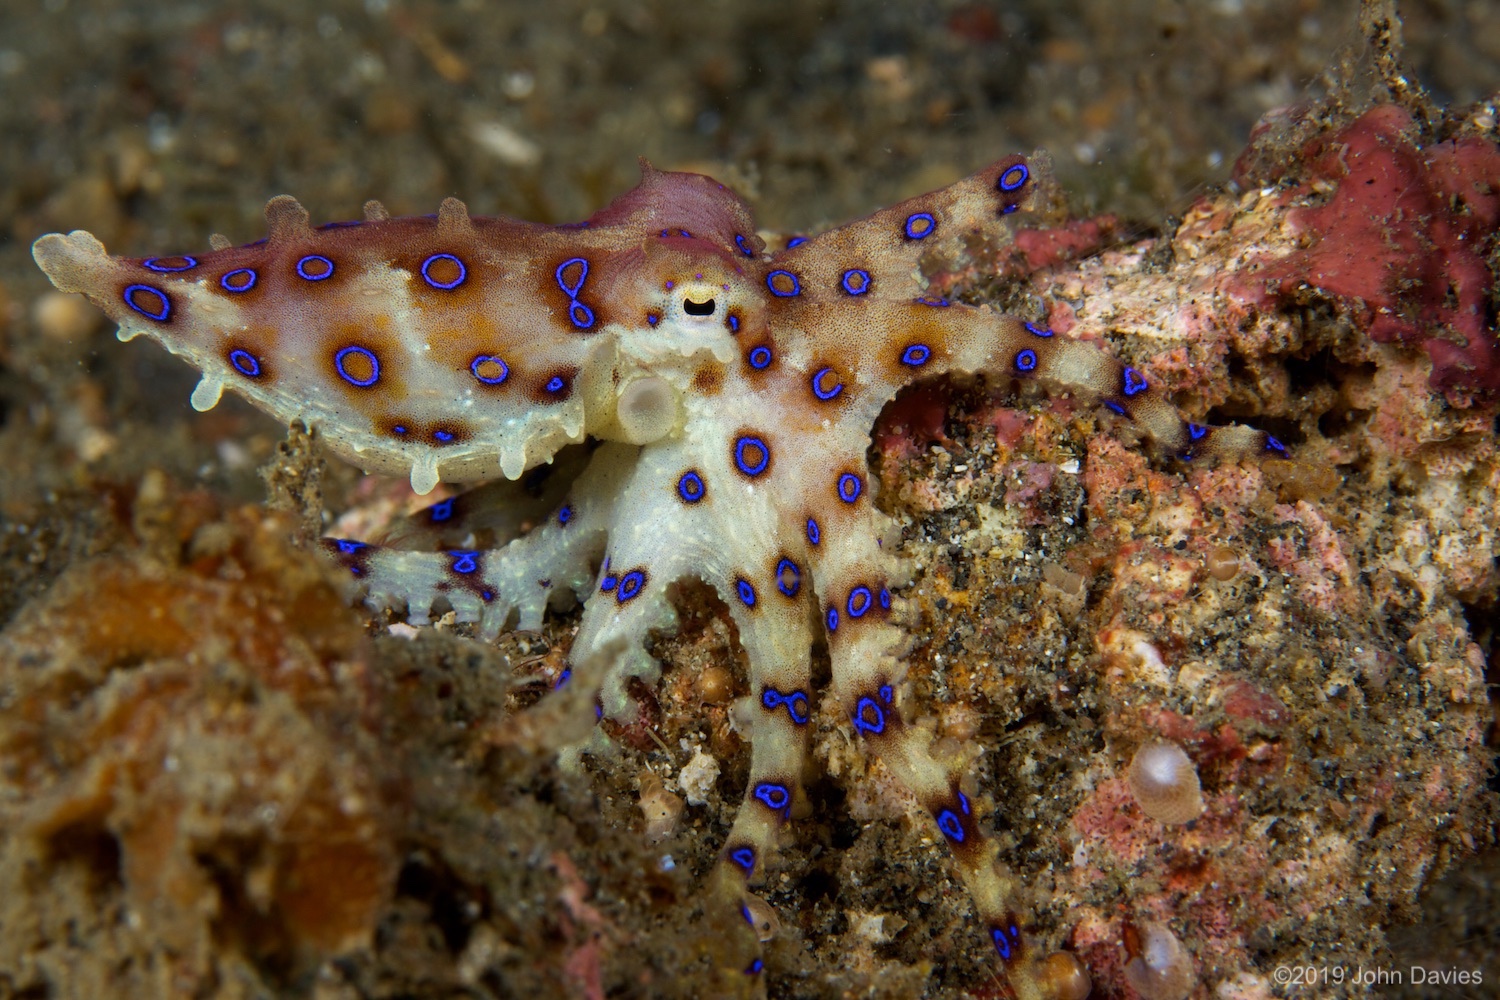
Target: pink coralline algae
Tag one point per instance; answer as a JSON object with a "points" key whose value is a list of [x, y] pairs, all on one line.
{"points": [[1398, 231]]}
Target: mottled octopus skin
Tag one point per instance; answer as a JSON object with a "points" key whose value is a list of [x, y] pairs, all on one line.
{"points": [[730, 392]]}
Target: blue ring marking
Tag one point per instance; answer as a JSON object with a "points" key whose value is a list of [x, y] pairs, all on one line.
{"points": [[443, 436], [690, 487], [885, 599], [440, 512], [864, 599], [1115, 408], [795, 241], [963, 803], [916, 355], [1196, 432], [855, 281], [225, 284], [775, 797], [1133, 381], [583, 273], [771, 699], [610, 582], [565, 515], [788, 587], [868, 706], [832, 619], [745, 912], [161, 314], [1274, 445], [1020, 172], [485, 359], [399, 429], [886, 692], [464, 562], [153, 264], [368, 355], [755, 967], [486, 595], [562, 678], [744, 857], [744, 245], [347, 547], [631, 584], [850, 487], [581, 315], [771, 284], [652, 319], [914, 220], [734, 323], [302, 268], [463, 272], [951, 825], [245, 363], [1026, 360], [1004, 944], [760, 358], [814, 533], [1007, 209], [935, 303], [1037, 331], [817, 381], [796, 708], [746, 592], [749, 441], [555, 384]]}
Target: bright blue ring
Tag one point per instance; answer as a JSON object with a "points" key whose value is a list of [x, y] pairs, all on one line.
{"points": [[1009, 185], [631, 584], [850, 487], [760, 358], [1038, 331], [771, 284], [302, 273], [224, 281], [885, 602], [464, 562], [443, 436], [775, 797], [1274, 445], [609, 583], [588, 315], [482, 359], [859, 592], [565, 515], [1026, 360], [832, 619], [796, 707], [348, 547], [245, 363], [746, 592], [744, 245], [150, 264], [814, 533], [1115, 408], [862, 275], [817, 380], [583, 273], [1196, 432], [440, 512], [951, 825], [1133, 382], [739, 455], [166, 303], [771, 698], [734, 324], [690, 487], [744, 857], [861, 723], [338, 362], [916, 355], [782, 568], [463, 272], [1001, 944], [555, 384], [916, 217]]}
